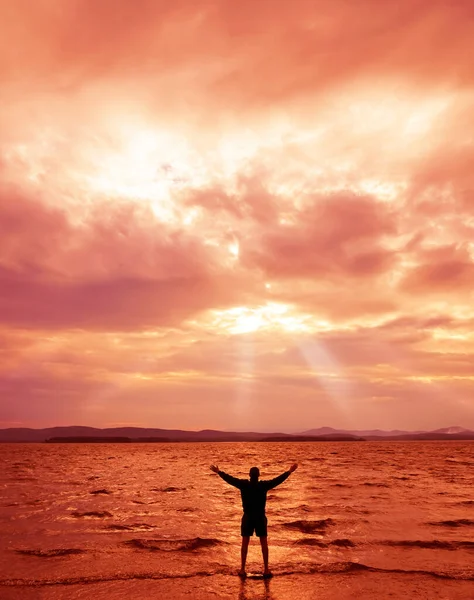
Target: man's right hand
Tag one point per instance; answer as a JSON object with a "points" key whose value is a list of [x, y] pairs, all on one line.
{"points": [[293, 467], [214, 468]]}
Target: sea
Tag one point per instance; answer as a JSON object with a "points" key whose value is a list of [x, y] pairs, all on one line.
{"points": [[359, 520]]}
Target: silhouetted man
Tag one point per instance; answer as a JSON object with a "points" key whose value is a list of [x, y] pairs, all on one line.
{"points": [[254, 498]]}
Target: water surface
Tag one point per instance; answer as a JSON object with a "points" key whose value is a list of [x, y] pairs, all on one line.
{"points": [[79, 516]]}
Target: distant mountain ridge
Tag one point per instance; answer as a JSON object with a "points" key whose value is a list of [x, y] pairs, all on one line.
{"points": [[142, 434], [453, 433], [367, 432]]}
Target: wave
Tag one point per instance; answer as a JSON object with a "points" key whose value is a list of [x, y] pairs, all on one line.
{"points": [[98, 514], [453, 523], [51, 553], [131, 527], [170, 488], [431, 544], [375, 484], [425, 544], [103, 491], [341, 568], [294, 509], [165, 545], [459, 461], [309, 526], [341, 543], [354, 567]]}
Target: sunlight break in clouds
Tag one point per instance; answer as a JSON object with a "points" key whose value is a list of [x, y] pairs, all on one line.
{"points": [[243, 319], [236, 215]]}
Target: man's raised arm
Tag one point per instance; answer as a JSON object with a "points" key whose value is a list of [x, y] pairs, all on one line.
{"points": [[281, 478], [227, 478]]}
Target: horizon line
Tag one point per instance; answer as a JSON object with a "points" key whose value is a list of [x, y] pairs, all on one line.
{"points": [[293, 432]]}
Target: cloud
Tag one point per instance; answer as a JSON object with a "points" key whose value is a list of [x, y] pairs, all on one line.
{"points": [[117, 304], [184, 64], [334, 236], [245, 57], [119, 268], [447, 269], [191, 191]]}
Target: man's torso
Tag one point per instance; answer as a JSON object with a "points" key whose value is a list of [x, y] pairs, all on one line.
{"points": [[254, 498]]}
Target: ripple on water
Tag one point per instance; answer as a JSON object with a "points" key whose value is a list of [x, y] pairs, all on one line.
{"points": [[309, 526], [453, 523], [130, 527], [341, 543], [431, 544], [51, 553], [97, 514], [165, 545]]}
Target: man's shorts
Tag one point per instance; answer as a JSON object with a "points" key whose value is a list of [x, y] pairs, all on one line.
{"points": [[251, 523]]}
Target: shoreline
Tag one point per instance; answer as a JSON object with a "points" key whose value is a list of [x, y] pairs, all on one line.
{"points": [[230, 587]]}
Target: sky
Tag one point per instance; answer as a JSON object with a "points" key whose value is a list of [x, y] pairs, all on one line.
{"points": [[237, 215]]}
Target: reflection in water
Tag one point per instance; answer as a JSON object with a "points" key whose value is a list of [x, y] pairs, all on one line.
{"points": [[255, 590]]}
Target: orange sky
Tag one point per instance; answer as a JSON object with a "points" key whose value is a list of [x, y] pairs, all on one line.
{"points": [[250, 215]]}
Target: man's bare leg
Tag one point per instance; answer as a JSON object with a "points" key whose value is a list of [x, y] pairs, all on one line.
{"points": [[264, 545], [243, 554]]}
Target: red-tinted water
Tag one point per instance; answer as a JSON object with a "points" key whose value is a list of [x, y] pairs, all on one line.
{"points": [[72, 515]]}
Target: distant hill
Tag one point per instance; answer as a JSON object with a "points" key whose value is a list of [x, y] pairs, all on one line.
{"points": [[88, 440], [133, 433], [452, 430], [360, 432], [334, 437], [427, 436], [141, 434]]}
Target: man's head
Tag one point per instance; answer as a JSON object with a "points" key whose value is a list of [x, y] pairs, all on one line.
{"points": [[254, 474]]}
